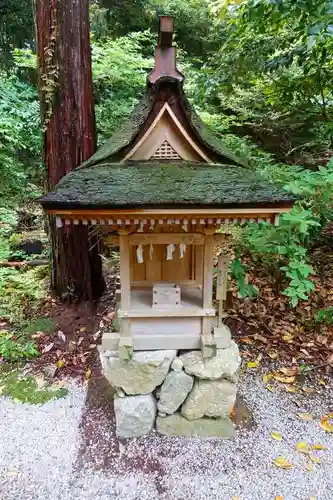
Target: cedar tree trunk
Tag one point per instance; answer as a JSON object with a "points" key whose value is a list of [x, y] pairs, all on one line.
{"points": [[66, 94]]}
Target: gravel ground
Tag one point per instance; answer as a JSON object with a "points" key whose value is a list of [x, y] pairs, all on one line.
{"points": [[66, 450]]}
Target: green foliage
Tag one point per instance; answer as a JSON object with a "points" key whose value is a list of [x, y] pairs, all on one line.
{"points": [[16, 28], [12, 349], [20, 139], [119, 72], [193, 19], [272, 74], [324, 316], [21, 293], [239, 272], [285, 247], [45, 325], [8, 222]]}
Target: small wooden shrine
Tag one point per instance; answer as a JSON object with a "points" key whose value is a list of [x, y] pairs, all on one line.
{"points": [[160, 189]]}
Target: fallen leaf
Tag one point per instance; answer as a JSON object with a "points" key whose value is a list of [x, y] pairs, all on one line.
{"points": [[60, 363], [83, 329], [267, 377], [287, 338], [305, 416], [312, 498], [273, 355], [325, 424], [318, 447], [279, 497], [322, 382], [47, 348], [276, 436], [261, 339], [290, 388], [309, 466], [308, 390], [71, 346], [61, 336], [12, 473], [303, 447], [270, 388], [59, 384], [87, 374], [252, 364], [40, 381], [37, 335], [282, 463], [314, 459], [97, 334], [330, 415], [284, 380], [289, 371]]}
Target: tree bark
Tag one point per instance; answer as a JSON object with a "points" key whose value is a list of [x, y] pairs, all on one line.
{"points": [[67, 109]]}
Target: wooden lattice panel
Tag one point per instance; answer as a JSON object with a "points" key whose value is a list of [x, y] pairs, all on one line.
{"points": [[165, 152]]}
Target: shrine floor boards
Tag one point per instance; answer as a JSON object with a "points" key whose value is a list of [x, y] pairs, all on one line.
{"points": [[67, 450]]}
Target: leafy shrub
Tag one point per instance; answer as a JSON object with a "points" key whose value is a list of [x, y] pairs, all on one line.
{"points": [[324, 316], [119, 72], [12, 349], [238, 271], [20, 293], [20, 139], [286, 246]]}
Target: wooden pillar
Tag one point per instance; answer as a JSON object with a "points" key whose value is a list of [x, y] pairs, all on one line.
{"points": [[208, 346], [125, 342], [222, 334]]}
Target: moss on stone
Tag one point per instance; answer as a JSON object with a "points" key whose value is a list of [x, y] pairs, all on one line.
{"points": [[25, 389], [139, 184]]}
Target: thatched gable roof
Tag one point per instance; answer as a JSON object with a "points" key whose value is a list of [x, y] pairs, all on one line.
{"points": [[129, 130]]}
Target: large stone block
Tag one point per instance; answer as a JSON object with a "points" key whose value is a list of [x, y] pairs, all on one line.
{"points": [[135, 415], [174, 391], [224, 365], [140, 375], [210, 398], [176, 425]]}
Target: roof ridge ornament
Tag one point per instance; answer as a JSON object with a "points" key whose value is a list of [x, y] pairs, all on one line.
{"points": [[165, 54]]}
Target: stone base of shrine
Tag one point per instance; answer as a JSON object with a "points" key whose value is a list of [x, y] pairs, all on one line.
{"points": [[180, 393]]}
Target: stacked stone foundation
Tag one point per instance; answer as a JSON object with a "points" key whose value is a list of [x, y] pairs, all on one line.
{"points": [[178, 393]]}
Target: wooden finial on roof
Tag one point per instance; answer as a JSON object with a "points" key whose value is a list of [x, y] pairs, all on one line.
{"points": [[166, 31], [165, 55]]}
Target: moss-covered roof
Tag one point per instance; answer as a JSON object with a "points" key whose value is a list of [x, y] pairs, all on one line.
{"points": [[125, 134], [130, 129], [208, 138], [149, 184]]}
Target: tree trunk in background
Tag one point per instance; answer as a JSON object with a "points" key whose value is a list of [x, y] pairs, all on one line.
{"points": [[66, 95]]}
